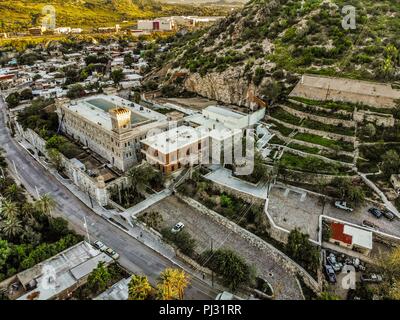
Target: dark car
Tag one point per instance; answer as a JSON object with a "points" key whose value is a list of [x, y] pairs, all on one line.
{"points": [[376, 212], [369, 224], [330, 273], [388, 215], [371, 278]]}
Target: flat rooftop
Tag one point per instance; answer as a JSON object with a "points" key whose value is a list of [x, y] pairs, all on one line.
{"points": [[96, 109], [223, 112], [176, 138], [59, 273], [118, 291]]}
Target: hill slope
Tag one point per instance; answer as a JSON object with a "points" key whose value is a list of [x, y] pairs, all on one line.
{"points": [[281, 38], [21, 14]]}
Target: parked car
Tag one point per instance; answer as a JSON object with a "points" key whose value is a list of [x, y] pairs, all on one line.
{"points": [[330, 273], [112, 254], [371, 278], [343, 205], [331, 259], [357, 264], [178, 227], [376, 212], [100, 245], [369, 224], [388, 215]]}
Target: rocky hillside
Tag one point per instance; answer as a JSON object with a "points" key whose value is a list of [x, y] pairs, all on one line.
{"points": [[269, 43], [21, 14]]}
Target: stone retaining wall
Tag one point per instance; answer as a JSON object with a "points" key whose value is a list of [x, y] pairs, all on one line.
{"points": [[379, 119], [326, 120], [324, 134], [290, 265], [308, 144], [308, 177], [239, 194]]}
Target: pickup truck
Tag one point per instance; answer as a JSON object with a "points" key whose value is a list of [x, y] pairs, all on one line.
{"points": [[343, 205]]}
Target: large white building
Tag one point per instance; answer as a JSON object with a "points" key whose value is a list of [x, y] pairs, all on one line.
{"points": [[174, 149], [166, 24], [215, 116], [209, 139], [110, 126]]}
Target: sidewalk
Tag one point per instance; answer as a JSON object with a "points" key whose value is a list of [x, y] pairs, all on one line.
{"points": [[152, 199], [224, 177], [136, 231]]}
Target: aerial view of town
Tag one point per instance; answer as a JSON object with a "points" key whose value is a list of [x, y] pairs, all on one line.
{"points": [[200, 150]]}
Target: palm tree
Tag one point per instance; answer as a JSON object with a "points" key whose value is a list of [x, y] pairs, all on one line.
{"points": [[12, 192], [139, 288], [46, 204], [9, 209], [11, 227], [173, 284]]}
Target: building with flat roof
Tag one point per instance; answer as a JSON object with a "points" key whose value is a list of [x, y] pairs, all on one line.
{"points": [[118, 291], [174, 149], [162, 24], [350, 237], [215, 116], [110, 126], [57, 277]]}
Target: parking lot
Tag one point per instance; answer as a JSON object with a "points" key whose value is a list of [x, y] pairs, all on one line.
{"points": [[291, 208], [203, 229]]}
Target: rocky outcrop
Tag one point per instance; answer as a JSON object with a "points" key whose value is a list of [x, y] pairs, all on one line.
{"points": [[230, 86]]}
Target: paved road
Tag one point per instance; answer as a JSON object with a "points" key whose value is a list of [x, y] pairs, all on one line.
{"points": [[135, 256]]}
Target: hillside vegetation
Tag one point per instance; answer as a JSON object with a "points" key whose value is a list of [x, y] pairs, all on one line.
{"points": [[284, 35], [22, 14]]}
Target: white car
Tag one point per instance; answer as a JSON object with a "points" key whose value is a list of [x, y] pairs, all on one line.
{"points": [[178, 227], [343, 205], [100, 245]]}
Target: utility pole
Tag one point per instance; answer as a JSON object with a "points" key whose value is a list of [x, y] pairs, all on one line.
{"points": [[90, 198], [212, 272], [37, 192], [86, 227]]}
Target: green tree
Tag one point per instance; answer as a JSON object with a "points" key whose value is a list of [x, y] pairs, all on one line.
{"points": [[11, 227], [99, 278], [136, 97], [76, 91], [271, 91], [26, 94], [233, 268], [8, 209], [390, 162], [301, 250], [13, 100], [369, 130], [46, 204], [139, 288], [348, 192], [117, 76], [55, 158], [328, 296], [5, 252]]}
